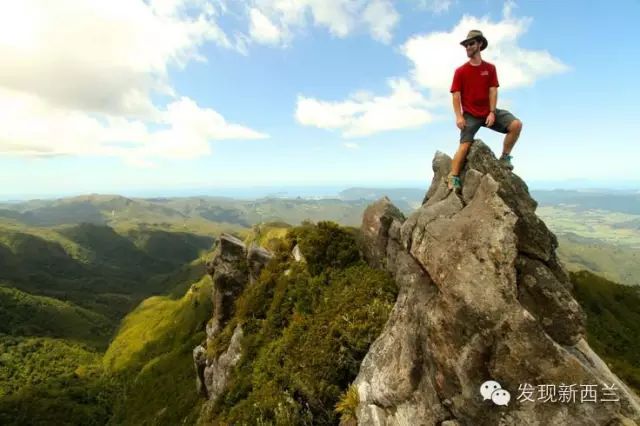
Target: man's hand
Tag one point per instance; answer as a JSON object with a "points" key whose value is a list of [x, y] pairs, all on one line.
{"points": [[460, 122], [491, 118]]}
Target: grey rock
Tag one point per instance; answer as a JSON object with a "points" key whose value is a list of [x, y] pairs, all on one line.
{"points": [[232, 268], [229, 271], [199, 363], [542, 294], [413, 228], [482, 297], [297, 254], [216, 374], [534, 238], [377, 220], [257, 259], [470, 182], [441, 166], [231, 248]]}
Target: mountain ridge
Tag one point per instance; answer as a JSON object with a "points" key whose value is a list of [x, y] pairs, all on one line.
{"points": [[481, 292]]}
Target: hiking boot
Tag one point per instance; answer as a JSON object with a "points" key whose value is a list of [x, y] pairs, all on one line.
{"points": [[505, 160], [453, 182]]}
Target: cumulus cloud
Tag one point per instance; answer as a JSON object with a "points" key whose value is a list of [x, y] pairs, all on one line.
{"points": [[436, 6], [33, 127], [339, 17], [80, 74], [364, 114], [262, 29], [381, 18], [436, 55]]}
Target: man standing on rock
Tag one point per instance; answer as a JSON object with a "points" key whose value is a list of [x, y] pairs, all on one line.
{"points": [[475, 94]]}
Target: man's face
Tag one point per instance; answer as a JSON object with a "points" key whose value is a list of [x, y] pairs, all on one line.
{"points": [[472, 47]]}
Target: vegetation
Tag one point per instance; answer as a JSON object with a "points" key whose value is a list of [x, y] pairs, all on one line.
{"points": [[613, 323], [46, 381], [24, 314], [65, 289], [198, 215], [614, 262], [305, 331], [93, 266], [152, 356], [158, 324], [598, 231], [326, 246], [595, 236], [348, 405], [267, 235]]}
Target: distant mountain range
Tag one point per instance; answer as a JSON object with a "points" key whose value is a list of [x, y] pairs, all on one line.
{"points": [[607, 222]]}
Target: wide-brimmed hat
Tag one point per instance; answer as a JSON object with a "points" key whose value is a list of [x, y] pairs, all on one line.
{"points": [[476, 34]]}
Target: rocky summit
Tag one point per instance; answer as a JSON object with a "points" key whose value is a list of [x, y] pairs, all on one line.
{"points": [[485, 330]]}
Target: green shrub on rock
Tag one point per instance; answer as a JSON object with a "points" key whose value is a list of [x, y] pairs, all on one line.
{"points": [[307, 327]]}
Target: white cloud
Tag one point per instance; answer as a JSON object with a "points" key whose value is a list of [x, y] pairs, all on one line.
{"points": [[351, 145], [436, 55], [99, 56], [364, 114], [382, 18], [30, 126], [262, 29], [78, 77], [436, 6], [339, 17]]}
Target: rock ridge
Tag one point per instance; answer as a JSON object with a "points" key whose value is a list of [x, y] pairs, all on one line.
{"points": [[482, 297]]}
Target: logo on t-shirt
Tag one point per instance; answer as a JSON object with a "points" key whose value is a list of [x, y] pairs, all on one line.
{"points": [[485, 72]]}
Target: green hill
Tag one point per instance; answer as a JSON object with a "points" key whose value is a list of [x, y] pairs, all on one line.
{"points": [[92, 265], [152, 354], [63, 291], [613, 323], [26, 315], [45, 381], [192, 214], [93, 208], [617, 263]]}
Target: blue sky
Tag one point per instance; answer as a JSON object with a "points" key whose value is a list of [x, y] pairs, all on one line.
{"points": [[157, 96]]}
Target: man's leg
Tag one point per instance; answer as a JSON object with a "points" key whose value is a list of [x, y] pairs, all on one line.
{"points": [[459, 158], [510, 139], [453, 180], [472, 125]]}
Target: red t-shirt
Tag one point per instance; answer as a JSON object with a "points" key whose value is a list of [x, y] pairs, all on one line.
{"points": [[473, 82]]}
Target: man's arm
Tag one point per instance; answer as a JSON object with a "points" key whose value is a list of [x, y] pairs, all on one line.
{"points": [[457, 107], [493, 98]]}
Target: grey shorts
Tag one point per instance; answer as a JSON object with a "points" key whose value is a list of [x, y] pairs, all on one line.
{"points": [[473, 124]]}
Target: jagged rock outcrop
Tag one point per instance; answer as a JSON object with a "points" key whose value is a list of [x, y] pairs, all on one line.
{"points": [[257, 258], [231, 268], [482, 297], [229, 271], [216, 373]]}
